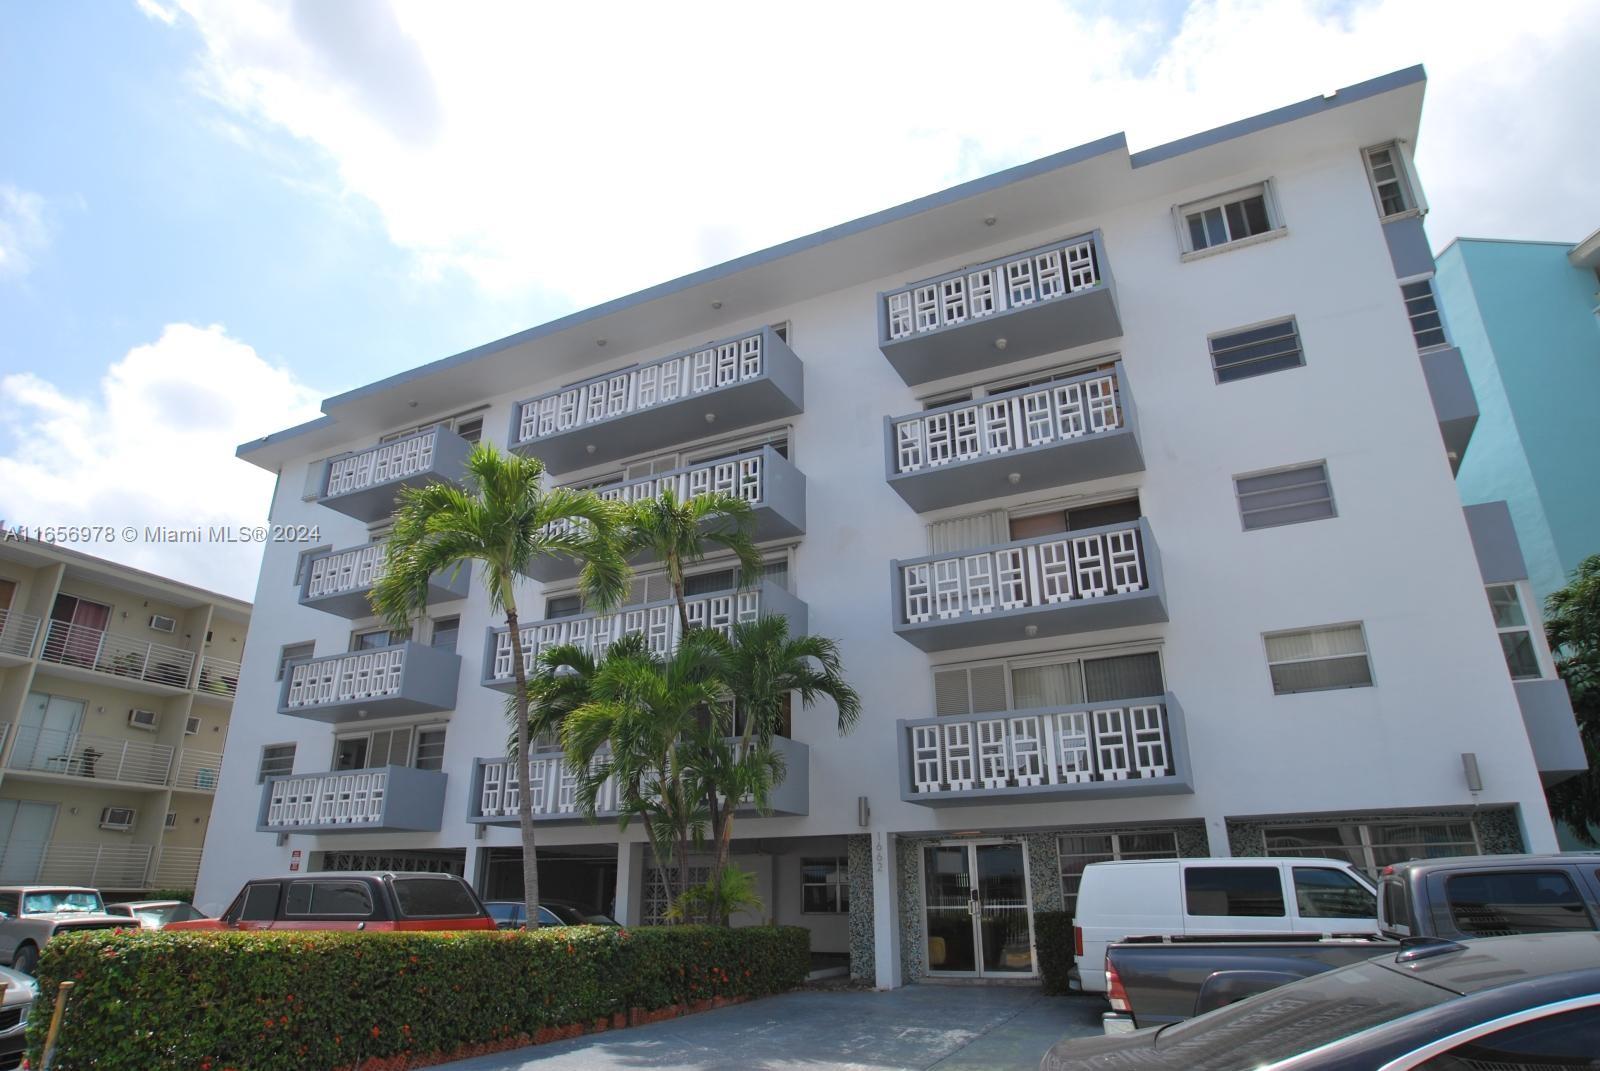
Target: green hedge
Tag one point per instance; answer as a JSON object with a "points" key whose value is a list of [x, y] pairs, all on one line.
{"points": [[156, 1000], [1052, 931]]}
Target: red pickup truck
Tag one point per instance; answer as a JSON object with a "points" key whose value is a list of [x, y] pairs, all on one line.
{"points": [[352, 901]]}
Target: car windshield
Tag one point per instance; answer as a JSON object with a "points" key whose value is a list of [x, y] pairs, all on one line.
{"points": [[569, 916], [1295, 1019], [165, 913], [60, 901]]}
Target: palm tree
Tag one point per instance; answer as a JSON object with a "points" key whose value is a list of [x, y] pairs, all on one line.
{"points": [[679, 532], [505, 520], [763, 667], [639, 728]]}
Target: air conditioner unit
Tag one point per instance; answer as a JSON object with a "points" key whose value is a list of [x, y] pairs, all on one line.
{"points": [[162, 623], [191, 727], [144, 719], [117, 818]]}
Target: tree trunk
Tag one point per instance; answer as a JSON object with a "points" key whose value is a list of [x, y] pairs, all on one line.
{"points": [[719, 816], [675, 578], [530, 854]]}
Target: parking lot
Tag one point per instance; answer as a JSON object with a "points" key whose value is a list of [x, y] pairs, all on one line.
{"points": [[952, 1028]]}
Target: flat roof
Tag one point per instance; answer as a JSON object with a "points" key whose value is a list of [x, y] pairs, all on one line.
{"points": [[1024, 198], [117, 575]]}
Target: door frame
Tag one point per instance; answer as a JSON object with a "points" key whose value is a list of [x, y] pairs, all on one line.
{"points": [[972, 844]]}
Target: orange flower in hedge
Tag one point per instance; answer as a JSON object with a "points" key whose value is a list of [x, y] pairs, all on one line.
{"points": [[376, 1031]]}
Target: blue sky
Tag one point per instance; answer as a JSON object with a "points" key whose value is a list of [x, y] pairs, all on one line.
{"points": [[214, 213]]}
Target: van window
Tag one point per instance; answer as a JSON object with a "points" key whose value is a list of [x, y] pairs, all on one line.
{"points": [[260, 903], [1321, 892], [348, 899], [1241, 891], [1394, 907], [434, 898], [1528, 901]]}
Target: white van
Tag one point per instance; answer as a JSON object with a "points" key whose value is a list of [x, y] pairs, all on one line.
{"points": [[1214, 897]]}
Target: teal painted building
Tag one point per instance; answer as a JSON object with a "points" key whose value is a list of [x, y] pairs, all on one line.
{"points": [[1524, 315]]}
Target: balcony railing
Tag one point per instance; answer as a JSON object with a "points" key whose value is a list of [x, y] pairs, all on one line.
{"points": [[1051, 298], [497, 795], [1097, 578], [657, 622], [175, 868], [99, 758], [1127, 747], [106, 652], [197, 770], [409, 678], [18, 633], [365, 485], [775, 489], [109, 866], [389, 798], [1049, 435], [737, 382], [340, 582], [219, 678]]}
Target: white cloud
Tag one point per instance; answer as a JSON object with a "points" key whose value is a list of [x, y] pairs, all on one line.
{"points": [[24, 230], [154, 448], [588, 150]]}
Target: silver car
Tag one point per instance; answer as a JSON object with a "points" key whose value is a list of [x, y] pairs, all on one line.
{"points": [[15, 1003]]}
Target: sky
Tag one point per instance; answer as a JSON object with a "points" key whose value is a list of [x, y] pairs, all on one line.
{"points": [[215, 213]]}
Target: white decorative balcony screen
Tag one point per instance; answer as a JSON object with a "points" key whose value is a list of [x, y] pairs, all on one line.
{"points": [[348, 570], [1004, 423], [635, 390], [554, 791], [742, 475], [1013, 282], [657, 622], [1029, 749], [391, 461], [1038, 573], [347, 678], [354, 798]]}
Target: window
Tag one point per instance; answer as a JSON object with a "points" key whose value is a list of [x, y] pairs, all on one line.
{"points": [[1288, 496], [470, 430], [350, 899], [172, 820], [430, 749], [1516, 639], [1256, 351], [260, 903], [1565, 1039], [1426, 326], [782, 330], [1318, 659], [563, 606], [1050, 681], [445, 632], [1236, 891], [1121, 511], [277, 760], [1079, 850], [293, 652], [1371, 846], [434, 898], [1231, 217], [1526, 901], [378, 638], [1386, 170], [1324, 893], [824, 886], [370, 751]]}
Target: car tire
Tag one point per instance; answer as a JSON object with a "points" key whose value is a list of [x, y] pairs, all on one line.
{"points": [[26, 960]]}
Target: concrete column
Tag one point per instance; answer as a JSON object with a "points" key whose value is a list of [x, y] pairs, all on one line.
{"points": [[473, 871], [630, 882], [1217, 834], [1538, 831], [885, 911]]}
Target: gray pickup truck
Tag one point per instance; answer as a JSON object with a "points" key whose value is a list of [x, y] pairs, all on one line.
{"points": [[1151, 981]]}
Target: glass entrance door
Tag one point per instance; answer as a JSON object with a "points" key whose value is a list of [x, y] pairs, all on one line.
{"points": [[979, 921]]}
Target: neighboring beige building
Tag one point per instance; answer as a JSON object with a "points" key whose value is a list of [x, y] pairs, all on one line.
{"points": [[116, 687]]}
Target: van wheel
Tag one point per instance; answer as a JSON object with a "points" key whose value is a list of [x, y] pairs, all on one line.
{"points": [[26, 960]]}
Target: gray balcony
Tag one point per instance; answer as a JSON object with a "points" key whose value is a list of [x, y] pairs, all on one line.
{"points": [[1052, 585], [1042, 300], [1552, 729], [1454, 403], [775, 489], [409, 678], [1050, 435], [367, 484], [389, 799], [657, 621], [340, 582], [495, 798], [722, 386], [1135, 747]]}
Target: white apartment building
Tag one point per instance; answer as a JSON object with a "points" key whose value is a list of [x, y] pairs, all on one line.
{"points": [[116, 691], [1122, 480]]}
